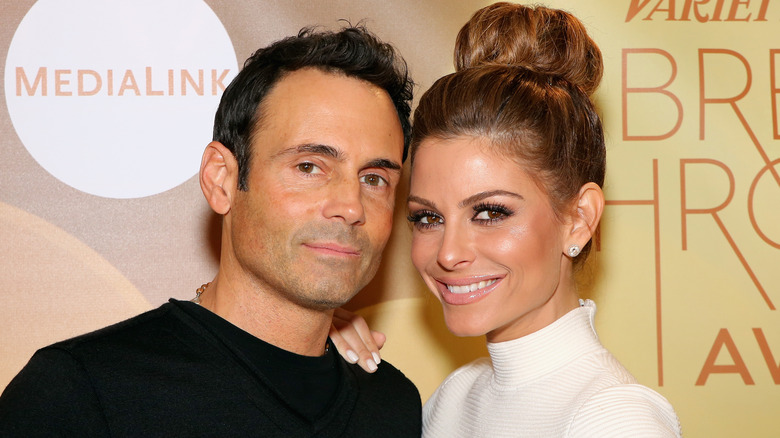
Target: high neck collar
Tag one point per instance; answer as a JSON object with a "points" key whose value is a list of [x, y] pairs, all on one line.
{"points": [[525, 359]]}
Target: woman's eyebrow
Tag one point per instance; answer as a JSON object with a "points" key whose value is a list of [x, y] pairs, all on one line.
{"points": [[421, 201], [484, 195], [468, 201]]}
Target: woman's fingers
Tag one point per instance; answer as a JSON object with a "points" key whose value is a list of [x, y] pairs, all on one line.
{"points": [[379, 338], [355, 341]]}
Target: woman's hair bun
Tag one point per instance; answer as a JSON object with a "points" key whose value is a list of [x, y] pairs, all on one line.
{"points": [[540, 39]]}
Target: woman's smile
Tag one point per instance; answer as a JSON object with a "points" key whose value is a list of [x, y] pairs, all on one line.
{"points": [[462, 292]]}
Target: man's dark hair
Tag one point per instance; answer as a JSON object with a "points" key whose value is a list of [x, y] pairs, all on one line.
{"points": [[352, 51]]}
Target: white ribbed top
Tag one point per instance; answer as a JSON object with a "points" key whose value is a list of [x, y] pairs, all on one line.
{"points": [[557, 382]]}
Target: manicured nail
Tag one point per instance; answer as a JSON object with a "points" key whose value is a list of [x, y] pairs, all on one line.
{"points": [[377, 359], [352, 356], [371, 365]]}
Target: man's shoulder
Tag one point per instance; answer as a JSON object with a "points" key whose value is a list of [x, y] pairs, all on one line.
{"points": [[388, 384], [165, 334], [72, 378], [388, 400], [385, 375], [386, 378], [135, 329]]}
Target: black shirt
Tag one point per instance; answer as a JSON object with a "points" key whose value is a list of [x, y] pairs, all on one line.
{"points": [[166, 373], [306, 383]]}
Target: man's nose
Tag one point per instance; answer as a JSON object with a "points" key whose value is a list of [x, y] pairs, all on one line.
{"points": [[345, 202]]}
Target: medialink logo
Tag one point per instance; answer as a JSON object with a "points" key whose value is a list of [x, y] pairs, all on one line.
{"points": [[702, 11], [116, 98]]}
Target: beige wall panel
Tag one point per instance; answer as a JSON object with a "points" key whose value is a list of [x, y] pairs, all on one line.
{"points": [[686, 278]]}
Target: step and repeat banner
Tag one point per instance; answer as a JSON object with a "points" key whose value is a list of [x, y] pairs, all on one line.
{"points": [[109, 104]]}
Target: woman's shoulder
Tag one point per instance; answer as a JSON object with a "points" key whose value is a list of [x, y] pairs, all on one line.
{"points": [[470, 371], [459, 382], [446, 403], [627, 409], [613, 404], [463, 378]]}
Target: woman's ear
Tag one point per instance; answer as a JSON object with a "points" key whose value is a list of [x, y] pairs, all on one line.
{"points": [[218, 177], [586, 216]]}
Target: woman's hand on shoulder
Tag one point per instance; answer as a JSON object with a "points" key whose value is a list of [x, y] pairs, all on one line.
{"points": [[355, 341]]}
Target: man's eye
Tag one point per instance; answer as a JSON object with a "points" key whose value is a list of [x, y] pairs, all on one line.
{"points": [[373, 180], [309, 168]]}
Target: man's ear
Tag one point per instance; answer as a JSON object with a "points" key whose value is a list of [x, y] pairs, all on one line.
{"points": [[218, 177], [586, 216]]}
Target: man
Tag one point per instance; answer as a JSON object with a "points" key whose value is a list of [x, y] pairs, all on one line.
{"points": [[309, 139]]}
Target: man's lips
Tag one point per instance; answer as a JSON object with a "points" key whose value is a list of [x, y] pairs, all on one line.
{"points": [[330, 248], [467, 290]]}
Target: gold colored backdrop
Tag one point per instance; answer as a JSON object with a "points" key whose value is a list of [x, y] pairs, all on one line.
{"points": [[686, 275]]}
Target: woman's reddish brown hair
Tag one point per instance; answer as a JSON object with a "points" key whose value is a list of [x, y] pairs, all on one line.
{"points": [[524, 79]]}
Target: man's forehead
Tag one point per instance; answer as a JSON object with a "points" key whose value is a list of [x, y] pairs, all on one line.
{"points": [[312, 107], [310, 81]]}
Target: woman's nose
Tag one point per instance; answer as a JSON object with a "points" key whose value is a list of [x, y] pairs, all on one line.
{"points": [[455, 248]]}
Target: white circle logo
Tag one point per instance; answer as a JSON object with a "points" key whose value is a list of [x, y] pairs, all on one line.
{"points": [[116, 98]]}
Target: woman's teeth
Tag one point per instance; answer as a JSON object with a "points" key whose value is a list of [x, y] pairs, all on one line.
{"points": [[470, 287]]}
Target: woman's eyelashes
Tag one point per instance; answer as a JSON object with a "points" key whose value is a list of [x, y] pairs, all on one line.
{"points": [[489, 213], [423, 219], [483, 214]]}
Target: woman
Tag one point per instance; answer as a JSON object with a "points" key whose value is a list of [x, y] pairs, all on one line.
{"points": [[507, 164]]}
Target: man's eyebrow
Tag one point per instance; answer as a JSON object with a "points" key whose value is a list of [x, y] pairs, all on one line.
{"points": [[384, 164], [313, 148], [484, 195], [330, 151]]}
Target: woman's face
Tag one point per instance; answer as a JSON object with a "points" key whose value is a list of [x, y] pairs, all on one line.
{"points": [[486, 241]]}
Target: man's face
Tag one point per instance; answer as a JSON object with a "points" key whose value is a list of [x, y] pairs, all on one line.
{"points": [[318, 211]]}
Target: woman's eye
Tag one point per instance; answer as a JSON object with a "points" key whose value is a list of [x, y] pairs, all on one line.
{"points": [[489, 215], [309, 168], [373, 180], [425, 219], [430, 220]]}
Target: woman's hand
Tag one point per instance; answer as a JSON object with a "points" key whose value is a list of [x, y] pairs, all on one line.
{"points": [[355, 341]]}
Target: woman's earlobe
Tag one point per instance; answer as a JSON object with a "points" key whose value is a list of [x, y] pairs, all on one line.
{"points": [[218, 172]]}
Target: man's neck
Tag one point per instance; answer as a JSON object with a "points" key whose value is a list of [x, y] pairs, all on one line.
{"points": [[268, 316]]}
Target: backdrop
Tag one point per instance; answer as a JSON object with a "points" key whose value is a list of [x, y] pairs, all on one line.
{"points": [[109, 104]]}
